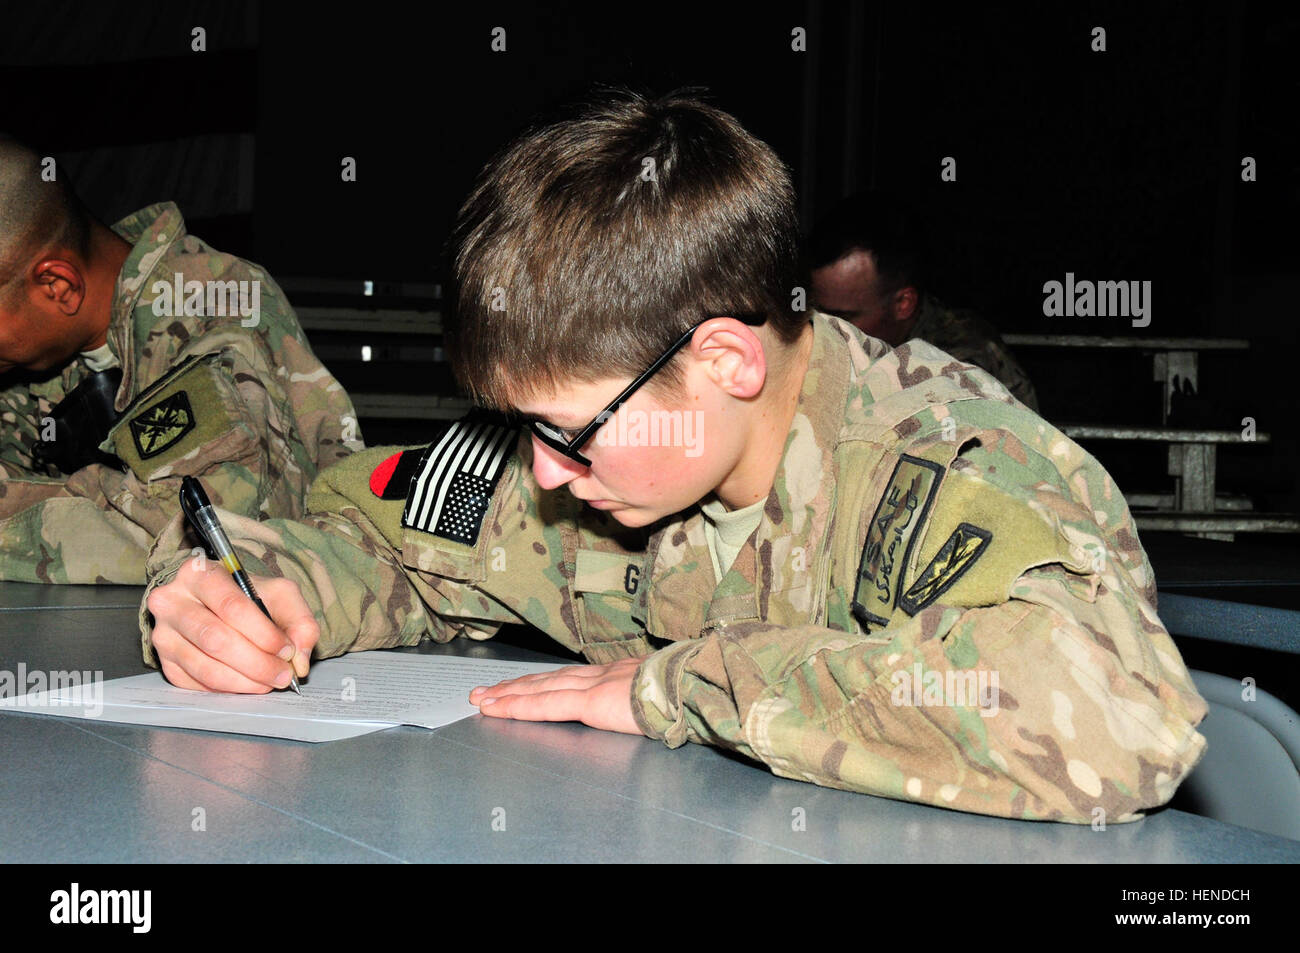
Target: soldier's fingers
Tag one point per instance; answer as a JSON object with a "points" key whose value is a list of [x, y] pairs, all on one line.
{"points": [[586, 671], [290, 611], [179, 677], [186, 666], [564, 705], [217, 591], [229, 648], [574, 676], [181, 618], [544, 681], [578, 670]]}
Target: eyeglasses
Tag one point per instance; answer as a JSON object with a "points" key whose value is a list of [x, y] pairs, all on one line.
{"points": [[569, 442]]}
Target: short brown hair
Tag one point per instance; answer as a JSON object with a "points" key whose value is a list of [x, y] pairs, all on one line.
{"points": [[589, 245]]}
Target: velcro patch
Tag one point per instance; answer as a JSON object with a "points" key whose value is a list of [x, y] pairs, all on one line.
{"points": [[966, 544], [194, 407], [609, 573], [457, 474], [391, 480], [901, 512]]}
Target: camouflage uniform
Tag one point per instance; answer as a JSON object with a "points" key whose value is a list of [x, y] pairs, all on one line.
{"points": [[968, 337], [249, 409], [921, 522]]}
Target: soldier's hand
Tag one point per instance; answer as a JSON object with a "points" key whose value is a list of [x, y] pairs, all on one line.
{"points": [[596, 695], [209, 636]]}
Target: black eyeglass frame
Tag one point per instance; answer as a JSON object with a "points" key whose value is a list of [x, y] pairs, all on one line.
{"points": [[569, 448]]}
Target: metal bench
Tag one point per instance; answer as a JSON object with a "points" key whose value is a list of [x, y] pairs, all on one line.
{"points": [[1194, 506]]}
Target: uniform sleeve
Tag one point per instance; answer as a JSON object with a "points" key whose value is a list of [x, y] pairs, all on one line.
{"points": [[18, 431], [1002, 364], [1067, 702], [970, 338], [58, 529], [346, 557], [351, 578], [218, 417], [372, 582]]}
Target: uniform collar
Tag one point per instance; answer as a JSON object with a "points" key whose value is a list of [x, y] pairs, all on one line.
{"points": [[776, 576], [152, 230], [928, 312]]}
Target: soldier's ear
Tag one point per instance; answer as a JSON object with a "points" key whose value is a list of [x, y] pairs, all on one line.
{"points": [[732, 356], [904, 303], [59, 284]]}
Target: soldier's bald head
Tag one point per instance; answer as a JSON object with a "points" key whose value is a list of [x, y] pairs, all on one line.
{"points": [[36, 216]]}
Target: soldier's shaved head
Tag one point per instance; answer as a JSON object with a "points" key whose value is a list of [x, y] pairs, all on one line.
{"points": [[58, 265], [36, 216]]}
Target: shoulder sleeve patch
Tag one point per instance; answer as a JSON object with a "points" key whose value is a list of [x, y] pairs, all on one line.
{"points": [[455, 477], [161, 426], [958, 554], [893, 530], [193, 406], [391, 480]]}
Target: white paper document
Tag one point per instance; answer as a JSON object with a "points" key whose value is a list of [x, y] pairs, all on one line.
{"points": [[344, 697]]}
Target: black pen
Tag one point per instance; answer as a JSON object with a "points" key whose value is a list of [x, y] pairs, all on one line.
{"points": [[199, 509]]}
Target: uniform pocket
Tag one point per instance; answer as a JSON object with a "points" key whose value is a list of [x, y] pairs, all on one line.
{"points": [[606, 586]]}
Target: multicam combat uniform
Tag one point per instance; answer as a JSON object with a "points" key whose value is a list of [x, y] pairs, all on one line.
{"points": [[921, 524], [249, 409], [968, 337]]}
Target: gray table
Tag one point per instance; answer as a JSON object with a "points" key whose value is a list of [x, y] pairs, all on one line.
{"points": [[79, 791]]}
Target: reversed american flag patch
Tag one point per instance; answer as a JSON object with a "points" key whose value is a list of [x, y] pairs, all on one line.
{"points": [[456, 478]]}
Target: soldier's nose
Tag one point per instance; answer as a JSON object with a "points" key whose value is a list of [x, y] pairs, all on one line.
{"points": [[553, 469]]}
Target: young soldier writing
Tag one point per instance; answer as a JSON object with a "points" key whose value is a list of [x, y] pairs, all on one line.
{"points": [[870, 568]]}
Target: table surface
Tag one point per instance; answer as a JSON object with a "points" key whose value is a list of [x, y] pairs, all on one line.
{"points": [[477, 790]]}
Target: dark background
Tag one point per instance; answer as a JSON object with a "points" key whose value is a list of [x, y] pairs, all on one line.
{"points": [[1115, 165], [1122, 164]]}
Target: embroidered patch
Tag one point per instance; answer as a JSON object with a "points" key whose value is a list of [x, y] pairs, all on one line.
{"points": [[457, 475], [162, 425], [899, 514], [966, 544], [391, 480]]}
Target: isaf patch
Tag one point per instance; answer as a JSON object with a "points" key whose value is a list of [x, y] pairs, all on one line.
{"points": [[457, 475], [958, 554], [890, 536], [161, 426]]}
